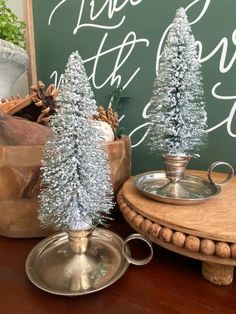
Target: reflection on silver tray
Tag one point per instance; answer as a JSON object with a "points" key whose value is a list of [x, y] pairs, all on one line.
{"points": [[190, 190], [50, 265]]}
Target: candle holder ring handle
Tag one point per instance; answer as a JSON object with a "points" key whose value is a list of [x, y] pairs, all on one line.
{"points": [[220, 163], [127, 254]]}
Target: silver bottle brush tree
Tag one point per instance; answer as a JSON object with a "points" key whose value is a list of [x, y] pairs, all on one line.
{"points": [[76, 196], [177, 112], [76, 192]]}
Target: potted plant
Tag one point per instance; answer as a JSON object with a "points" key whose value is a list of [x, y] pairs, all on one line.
{"points": [[13, 57]]}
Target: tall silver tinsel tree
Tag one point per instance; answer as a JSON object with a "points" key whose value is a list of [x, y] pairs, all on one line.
{"points": [[177, 112], [76, 185]]}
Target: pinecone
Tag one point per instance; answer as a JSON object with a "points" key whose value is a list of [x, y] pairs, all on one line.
{"points": [[46, 100], [109, 116], [37, 107], [12, 105]]}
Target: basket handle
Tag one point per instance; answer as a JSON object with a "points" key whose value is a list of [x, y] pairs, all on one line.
{"points": [[219, 163], [126, 250]]}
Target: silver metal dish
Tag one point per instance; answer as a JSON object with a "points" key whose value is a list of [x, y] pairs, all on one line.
{"points": [[189, 190], [192, 188], [53, 267]]}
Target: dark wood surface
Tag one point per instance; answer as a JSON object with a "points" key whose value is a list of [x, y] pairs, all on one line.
{"points": [[170, 283]]}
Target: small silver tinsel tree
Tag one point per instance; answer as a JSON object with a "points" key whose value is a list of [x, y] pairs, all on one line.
{"points": [[76, 185], [177, 112]]}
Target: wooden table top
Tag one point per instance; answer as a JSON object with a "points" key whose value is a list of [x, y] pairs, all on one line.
{"points": [[170, 283], [214, 218]]}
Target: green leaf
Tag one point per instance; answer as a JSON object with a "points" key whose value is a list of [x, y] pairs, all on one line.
{"points": [[11, 29]]}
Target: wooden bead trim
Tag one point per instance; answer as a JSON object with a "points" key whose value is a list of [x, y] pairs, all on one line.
{"points": [[179, 239]]}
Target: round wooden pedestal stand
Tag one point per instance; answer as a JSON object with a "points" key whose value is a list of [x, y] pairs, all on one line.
{"points": [[205, 231]]}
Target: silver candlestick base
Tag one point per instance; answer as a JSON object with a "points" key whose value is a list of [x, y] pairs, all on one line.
{"points": [[174, 168], [81, 262], [175, 187]]}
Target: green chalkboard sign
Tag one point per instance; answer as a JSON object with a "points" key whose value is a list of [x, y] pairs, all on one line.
{"points": [[121, 42]]}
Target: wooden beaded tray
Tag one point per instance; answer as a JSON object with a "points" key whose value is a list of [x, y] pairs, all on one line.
{"points": [[205, 231]]}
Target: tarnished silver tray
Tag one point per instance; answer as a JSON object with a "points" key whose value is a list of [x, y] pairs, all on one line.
{"points": [[53, 267], [190, 190]]}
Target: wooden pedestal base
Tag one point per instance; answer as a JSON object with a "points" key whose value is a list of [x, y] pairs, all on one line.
{"points": [[205, 231], [218, 274]]}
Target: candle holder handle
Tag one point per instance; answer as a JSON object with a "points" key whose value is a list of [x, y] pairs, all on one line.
{"points": [[220, 163], [127, 254]]}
